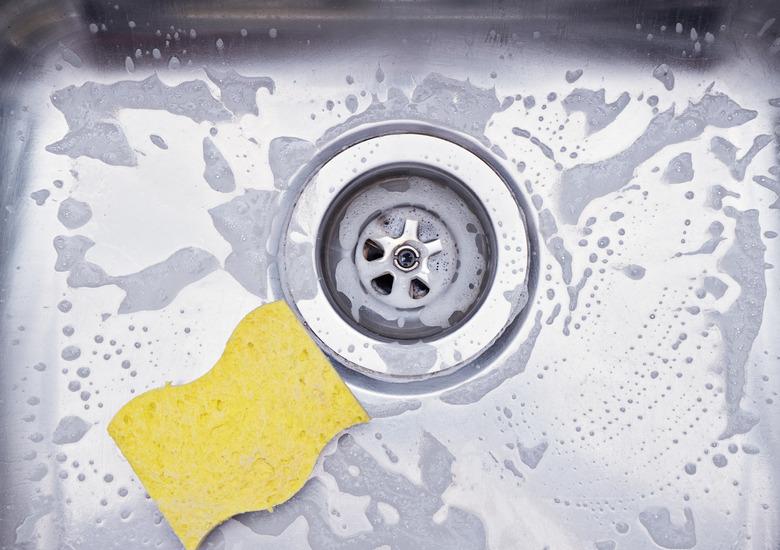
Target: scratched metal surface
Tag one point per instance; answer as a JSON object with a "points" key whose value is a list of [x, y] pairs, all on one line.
{"points": [[148, 161]]}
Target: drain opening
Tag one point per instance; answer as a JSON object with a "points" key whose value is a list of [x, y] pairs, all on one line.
{"points": [[372, 251], [405, 251], [383, 284], [418, 289]]}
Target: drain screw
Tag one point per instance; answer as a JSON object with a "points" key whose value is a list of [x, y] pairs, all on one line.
{"points": [[406, 258]]}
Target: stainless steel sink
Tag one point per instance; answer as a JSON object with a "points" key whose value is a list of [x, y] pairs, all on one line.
{"points": [[604, 176]]}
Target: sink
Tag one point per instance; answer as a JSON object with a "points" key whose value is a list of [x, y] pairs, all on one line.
{"points": [[538, 240]]}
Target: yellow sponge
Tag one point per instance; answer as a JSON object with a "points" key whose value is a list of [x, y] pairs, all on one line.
{"points": [[244, 436]]}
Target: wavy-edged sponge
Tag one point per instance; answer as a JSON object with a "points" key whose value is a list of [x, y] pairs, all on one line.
{"points": [[244, 436]]}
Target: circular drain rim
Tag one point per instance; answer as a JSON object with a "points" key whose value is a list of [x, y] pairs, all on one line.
{"points": [[453, 351]]}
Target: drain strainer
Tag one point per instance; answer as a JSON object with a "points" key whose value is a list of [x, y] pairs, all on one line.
{"points": [[420, 251], [405, 251]]}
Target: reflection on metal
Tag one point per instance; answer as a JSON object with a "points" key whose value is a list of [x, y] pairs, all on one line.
{"points": [[463, 230], [601, 173]]}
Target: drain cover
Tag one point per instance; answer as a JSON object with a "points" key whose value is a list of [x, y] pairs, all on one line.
{"points": [[420, 251], [407, 251]]}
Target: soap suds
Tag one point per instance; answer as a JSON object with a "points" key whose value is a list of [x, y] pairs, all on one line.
{"points": [[39, 472], [91, 109], [217, 172], [151, 288], [726, 152], [245, 222], [237, 92], [715, 287], [740, 324], [633, 271], [70, 251], [532, 455], [40, 196], [25, 534], [586, 182], [664, 75], [574, 290], [512, 468], [456, 104], [708, 247], [158, 141], [285, 156], [304, 282], [679, 169], [70, 429], [554, 243], [517, 298], [351, 103], [391, 408], [772, 185], [598, 113], [716, 194], [544, 148], [397, 358], [73, 214], [658, 523], [416, 505], [435, 464], [553, 314], [573, 76], [71, 57], [104, 141], [476, 388]]}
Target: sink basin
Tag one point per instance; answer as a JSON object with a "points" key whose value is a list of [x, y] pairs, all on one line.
{"points": [[538, 240]]}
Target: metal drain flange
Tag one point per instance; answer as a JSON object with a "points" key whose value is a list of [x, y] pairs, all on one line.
{"points": [[420, 253]]}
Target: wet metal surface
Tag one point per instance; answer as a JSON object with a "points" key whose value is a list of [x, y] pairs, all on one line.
{"points": [[155, 156]]}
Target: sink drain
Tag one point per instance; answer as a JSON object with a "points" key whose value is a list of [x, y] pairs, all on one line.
{"points": [[405, 251], [420, 251]]}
